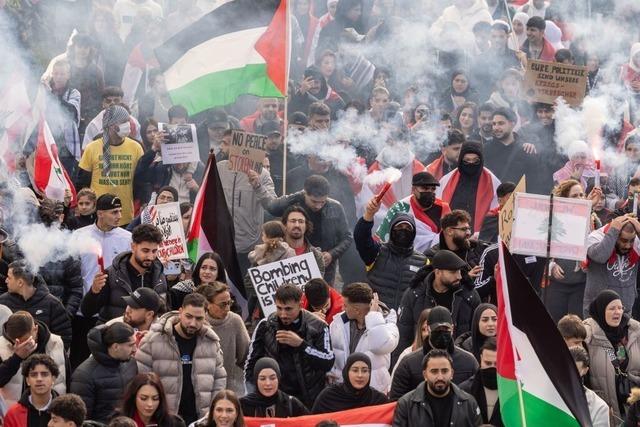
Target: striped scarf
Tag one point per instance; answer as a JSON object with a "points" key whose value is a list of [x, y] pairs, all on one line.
{"points": [[112, 116]]}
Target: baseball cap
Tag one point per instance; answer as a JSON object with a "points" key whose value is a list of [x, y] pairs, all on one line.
{"points": [[143, 298], [270, 128], [439, 316], [218, 118], [106, 202], [424, 178]]}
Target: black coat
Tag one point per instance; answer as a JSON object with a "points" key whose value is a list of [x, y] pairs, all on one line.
{"points": [[43, 307], [100, 380], [64, 280], [408, 372], [109, 302], [474, 387], [286, 406], [304, 368], [412, 409]]}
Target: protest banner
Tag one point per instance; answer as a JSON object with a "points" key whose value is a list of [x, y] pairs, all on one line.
{"points": [[569, 230], [505, 217], [181, 144], [370, 416], [247, 151], [169, 221], [547, 81], [267, 278]]}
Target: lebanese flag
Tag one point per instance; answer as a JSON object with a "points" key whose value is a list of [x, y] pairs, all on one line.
{"points": [[49, 176], [15, 115], [486, 197], [369, 416], [538, 383], [211, 229]]}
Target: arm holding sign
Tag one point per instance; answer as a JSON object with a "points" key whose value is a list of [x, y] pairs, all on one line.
{"points": [[263, 186]]}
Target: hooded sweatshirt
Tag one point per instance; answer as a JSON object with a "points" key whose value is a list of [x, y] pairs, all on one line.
{"points": [[24, 414]]}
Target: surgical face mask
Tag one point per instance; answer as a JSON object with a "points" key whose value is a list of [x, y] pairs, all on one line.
{"points": [[124, 129], [489, 378], [440, 339]]}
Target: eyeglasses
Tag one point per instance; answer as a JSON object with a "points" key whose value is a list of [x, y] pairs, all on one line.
{"points": [[296, 221], [465, 229], [224, 304]]}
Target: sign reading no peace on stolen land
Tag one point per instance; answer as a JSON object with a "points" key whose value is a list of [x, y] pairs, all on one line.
{"points": [[247, 151], [268, 277]]}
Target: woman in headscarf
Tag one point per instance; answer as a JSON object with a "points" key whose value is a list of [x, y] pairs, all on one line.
{"points": [[519, 34], [268, 401], [613, 342], [354, 392], [483, 325], [580, 166], [459, 92]]}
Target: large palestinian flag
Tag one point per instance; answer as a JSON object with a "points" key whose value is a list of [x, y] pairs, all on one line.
{"points": [[238, 48], [538, 384], [211, 229]]}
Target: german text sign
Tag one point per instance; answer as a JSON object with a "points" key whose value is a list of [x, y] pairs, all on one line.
{"points": [[267, 278], [547, 81], [247, 151]]}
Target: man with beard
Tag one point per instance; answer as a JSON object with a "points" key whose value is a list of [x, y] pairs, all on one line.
{"points": [[438, 284], [612, 261], [185, 352], [471, 187], [314, 88], [144, 305], [267, 112], [448, 161], [483, 386], [391, 265], [297, 228], [485, 122], [440, 326], [130, 270], [505, 155]]}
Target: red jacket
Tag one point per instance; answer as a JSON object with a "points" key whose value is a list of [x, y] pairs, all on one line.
{"points": [[336, 304], [19, 413]]}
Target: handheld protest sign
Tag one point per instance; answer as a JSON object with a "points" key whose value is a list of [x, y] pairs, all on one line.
{"points": [[169, 221], [181, 145], [247, 151], [267, 278], [547, 81], [505, 218]]}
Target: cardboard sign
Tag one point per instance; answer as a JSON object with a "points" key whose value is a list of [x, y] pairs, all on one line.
{"points": [[505, 218], [181, 145], [247, 151], [547, 81], [169, 221], [569, 229], [267, 278]]}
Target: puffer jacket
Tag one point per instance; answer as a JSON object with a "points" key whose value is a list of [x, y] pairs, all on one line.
{"points": [[64, 279], [43, 307], [159, 353], [100, 380], [304, 368], [601, 371], [109, 302], [412, 409], [379, 339], [49, 344]]}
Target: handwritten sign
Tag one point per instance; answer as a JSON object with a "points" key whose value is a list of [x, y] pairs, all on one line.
{"points": [[570, 227], [181, 145], [267, 278], [547, 81], [169, 221], [247, 151], [505, 219]]}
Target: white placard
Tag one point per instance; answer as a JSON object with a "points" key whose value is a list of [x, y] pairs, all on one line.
{"points": [[169, 221], [181, 145]]}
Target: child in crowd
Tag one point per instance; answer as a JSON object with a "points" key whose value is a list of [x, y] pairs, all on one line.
{"points": [[273, 248]]}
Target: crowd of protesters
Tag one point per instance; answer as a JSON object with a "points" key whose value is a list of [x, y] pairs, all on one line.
{"points": [[406, 309]]}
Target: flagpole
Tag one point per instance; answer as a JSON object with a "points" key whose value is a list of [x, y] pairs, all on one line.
{"points": [[286, 99], [547, 273], [521, 400]]}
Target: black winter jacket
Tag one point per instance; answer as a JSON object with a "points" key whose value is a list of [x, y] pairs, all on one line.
{"points": [[408, 373], [475, 388], [109, 302], [412, 410], [43, 307], [64, 280], [100, 380], [304, 368]]}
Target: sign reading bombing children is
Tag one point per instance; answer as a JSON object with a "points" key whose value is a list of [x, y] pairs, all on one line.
{"points": [[247, 151], [267, 278], [547, 81]]}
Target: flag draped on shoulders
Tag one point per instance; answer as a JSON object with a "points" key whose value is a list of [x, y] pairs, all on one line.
{"points": [[211, 229], [238, 48], [538, 383]]}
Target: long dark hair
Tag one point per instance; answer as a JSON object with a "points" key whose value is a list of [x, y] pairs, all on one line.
{"points": [[161, 416], [222, 276], [231, 397]]}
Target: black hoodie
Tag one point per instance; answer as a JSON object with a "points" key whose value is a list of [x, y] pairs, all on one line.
{"points": [[25, 414]]}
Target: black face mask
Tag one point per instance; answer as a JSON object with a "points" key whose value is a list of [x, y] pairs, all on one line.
{"points": [[426, 198], [489, 378], [470, 169], [440, 339], [402, 238]]}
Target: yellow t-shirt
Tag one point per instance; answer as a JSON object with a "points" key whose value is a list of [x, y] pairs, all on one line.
{"points": [[124, 158]]}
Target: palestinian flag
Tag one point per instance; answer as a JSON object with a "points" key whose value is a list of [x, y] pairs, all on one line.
{"points": [[211, 229], [238, 48], [49, 176], [538, 384], [369, 416]]}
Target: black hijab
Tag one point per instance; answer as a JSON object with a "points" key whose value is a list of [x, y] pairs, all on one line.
{"points": [[256, 399], [464, 196], [477, 339], [340, 397], [597, 310]]}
